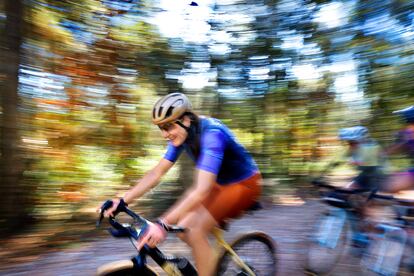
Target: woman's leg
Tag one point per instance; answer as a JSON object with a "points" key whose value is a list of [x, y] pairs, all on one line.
{"points": [[399, 182], [223, 202], [200, 223]]}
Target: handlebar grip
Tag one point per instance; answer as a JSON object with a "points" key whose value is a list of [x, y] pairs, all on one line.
{"points": [[107, 204], [121, 207]]}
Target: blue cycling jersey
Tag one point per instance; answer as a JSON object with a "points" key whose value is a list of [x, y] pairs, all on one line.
{"points": [[220, 153]]}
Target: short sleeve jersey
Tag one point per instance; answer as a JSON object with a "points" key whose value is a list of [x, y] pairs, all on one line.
{"points": [[220, 153], [369, 154]]}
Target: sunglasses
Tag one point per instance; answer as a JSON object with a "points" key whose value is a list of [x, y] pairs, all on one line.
{"points": [[166, 126]]}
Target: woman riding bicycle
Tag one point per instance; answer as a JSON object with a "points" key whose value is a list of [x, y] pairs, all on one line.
{"points": [[363, 154], [366, 156], [404, 144], [227, 180]]}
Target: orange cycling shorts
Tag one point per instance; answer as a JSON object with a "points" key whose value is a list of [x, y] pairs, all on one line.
{"points": [[229, 201]]}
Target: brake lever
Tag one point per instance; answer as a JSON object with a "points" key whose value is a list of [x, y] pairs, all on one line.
{"points": [[107, 204], [98, 222]]}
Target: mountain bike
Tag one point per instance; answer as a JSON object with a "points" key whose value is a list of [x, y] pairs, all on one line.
{"points": [[250, 254], [339, 224], [381, 249]]}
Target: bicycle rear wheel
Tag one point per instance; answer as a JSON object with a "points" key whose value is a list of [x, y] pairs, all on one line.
{"points": [[257, 250], [328, 243]]}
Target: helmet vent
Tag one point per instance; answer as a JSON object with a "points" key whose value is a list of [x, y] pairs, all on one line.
{"points": [[169, 111]]}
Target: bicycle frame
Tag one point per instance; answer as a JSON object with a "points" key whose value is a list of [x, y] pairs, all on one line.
{"points": [[173, 266], [167, 263], [139, 263]]}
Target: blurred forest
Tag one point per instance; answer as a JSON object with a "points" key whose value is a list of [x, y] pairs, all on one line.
{"points": [[78, 80]]}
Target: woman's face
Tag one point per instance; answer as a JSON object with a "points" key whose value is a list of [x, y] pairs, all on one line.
{"points": [[174, 132]]}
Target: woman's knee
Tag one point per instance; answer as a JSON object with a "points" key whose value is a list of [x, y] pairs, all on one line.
{"points": [[195, 230], [193, 235]]}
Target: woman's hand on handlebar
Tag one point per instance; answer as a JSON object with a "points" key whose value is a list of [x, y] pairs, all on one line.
{"points": [[154, 235], [110, 212], [113, 209]]}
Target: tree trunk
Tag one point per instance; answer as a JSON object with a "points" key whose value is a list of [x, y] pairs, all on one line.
{"points": [[11, 209]]}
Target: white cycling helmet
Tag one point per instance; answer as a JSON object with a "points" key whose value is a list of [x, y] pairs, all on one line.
{"points": [[170, 108], [356, 133]]}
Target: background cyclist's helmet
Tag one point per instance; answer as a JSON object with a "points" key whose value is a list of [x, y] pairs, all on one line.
{"points": [[356, 133], [407, 114], [170, 108]]}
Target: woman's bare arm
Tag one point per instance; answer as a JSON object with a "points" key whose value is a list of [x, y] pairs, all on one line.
{"points": [[194, 196], [149, 181]]}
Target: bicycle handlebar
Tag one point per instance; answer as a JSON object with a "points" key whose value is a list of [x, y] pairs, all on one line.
{"points": [[120, 230], [374, 192], [401, 201], [323, 184]]}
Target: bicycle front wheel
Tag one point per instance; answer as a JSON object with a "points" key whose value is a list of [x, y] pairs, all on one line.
{"points": [[257, 250], [124, 268], [328, 243]]}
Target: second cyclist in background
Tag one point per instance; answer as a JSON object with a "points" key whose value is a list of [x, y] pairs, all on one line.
{"points": [[362, 153], [365, 155]]}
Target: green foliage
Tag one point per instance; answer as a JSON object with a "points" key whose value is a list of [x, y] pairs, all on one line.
{"points": [[95, 71]]}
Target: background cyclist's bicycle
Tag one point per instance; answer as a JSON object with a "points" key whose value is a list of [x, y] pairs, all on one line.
{"points": [[383, 248]]}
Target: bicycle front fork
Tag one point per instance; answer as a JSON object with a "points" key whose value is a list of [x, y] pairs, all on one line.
{"points": [[218, 233]]}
